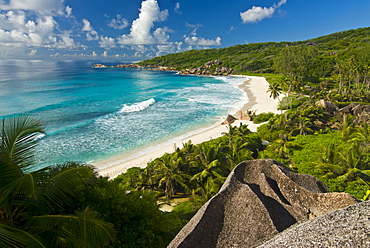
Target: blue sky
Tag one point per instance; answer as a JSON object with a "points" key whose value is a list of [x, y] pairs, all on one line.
{"points": [[133, 30]]}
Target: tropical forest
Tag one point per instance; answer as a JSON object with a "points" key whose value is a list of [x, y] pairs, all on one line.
{"points": [[323, 88]]}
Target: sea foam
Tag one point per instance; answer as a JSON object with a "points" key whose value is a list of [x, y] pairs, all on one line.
{"points": [[136, 106]]}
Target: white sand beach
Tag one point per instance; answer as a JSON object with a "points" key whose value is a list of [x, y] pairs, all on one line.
{"points": [[259, 100]]}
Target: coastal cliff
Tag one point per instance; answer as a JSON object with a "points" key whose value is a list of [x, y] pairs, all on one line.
{"points": [[259, 199]]}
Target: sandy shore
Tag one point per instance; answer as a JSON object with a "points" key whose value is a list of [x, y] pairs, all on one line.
{"points": [[259, 100]]}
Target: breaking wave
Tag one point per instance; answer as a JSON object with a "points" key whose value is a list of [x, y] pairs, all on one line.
{"points": [[136, 107]]}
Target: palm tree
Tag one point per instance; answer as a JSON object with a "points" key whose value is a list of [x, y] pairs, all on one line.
{"points": [[209, 180], [275, 91], [168, 174], [284, 145], [303, 126], [349, 164], [362, 136], [30, 201]]}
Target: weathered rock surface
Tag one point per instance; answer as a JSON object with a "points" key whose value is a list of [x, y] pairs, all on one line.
{"points": [[209, 70], [258, 200], [243, 116], [361, 112], [117, 66], [348, 227], [213, 62], [348, 109], [229, 120], [328, 106]]}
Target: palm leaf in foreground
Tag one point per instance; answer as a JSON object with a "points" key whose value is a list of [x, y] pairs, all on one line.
{"points": [[14, 237], [84, 229]]}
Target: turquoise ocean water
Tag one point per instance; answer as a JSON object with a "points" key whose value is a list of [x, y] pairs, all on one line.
{"points": [[92, 114]]}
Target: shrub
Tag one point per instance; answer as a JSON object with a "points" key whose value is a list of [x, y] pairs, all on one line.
{"points": [[263, 117]]}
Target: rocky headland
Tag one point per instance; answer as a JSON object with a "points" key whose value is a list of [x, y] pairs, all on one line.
{"points": [[262, 198], [117, 66], [211, 68]]}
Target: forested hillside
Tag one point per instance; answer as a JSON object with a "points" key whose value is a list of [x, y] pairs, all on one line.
{"points": [[258, 57]]}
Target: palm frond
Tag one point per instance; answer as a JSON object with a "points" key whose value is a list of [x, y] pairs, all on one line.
{"points": [[19, 139], [84, 229], [24, 187], [14, 237], [66, 184]]}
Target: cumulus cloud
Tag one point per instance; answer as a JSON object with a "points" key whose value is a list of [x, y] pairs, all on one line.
{"points": [[107, 42], [63, 41], [32, 52], [172, 47], [68, 11], [256, 14], [91, 34], [31, 23], [87, 26], [45, 6], [140, 32], [199, 41], [18, 31], [194, 40], [118, 23]]}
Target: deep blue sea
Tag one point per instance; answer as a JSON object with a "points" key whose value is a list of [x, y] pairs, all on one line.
{"points": [[92, 114]]}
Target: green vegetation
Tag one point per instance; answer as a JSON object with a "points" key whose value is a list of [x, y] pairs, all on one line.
{"points": [[331, 68], [69, 205], [261, 57], [195, 170]]}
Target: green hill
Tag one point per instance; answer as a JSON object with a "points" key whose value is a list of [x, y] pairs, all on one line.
{"points": [[258, 57]]}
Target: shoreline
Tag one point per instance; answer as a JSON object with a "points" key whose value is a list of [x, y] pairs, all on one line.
{"points": [[258, 100]]}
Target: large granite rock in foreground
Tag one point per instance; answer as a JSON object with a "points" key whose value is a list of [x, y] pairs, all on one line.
{"points": [[259, 199], [348, 227]]}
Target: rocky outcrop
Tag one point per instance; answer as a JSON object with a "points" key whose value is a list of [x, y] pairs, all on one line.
{"points": [[244, 116], [213, 62], [330, 107], [361, 112], [229, 120], [348, 227], [209, 69], [117, 66], [348, 109], [222, 71], [259, 199]]}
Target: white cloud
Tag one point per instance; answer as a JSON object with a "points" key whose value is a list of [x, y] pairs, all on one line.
{"points": [[199, 41], [94, 54], [87, 26], [177, 8], [68, 11], [194, 27], [105, 54], [161, 36], [140, 32], [44, 6], [64, 42], [18, 31], [32, 52], [91, 34], [107, 42], [194, 40], [172, 47], [118, 23], [31, 23], [256, 14]]}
